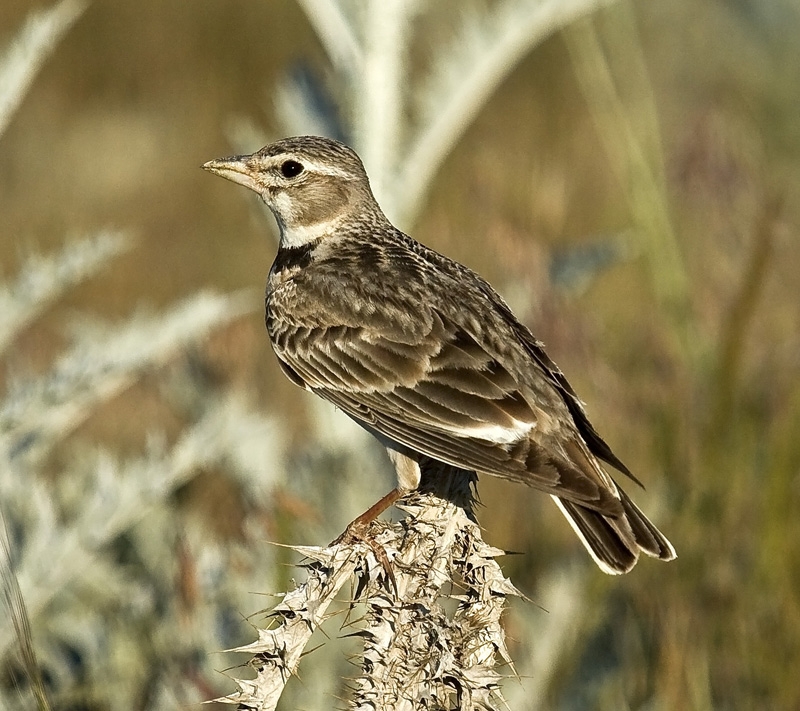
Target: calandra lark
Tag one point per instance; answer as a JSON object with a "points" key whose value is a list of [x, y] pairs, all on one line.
{"points": [[423, 352]]}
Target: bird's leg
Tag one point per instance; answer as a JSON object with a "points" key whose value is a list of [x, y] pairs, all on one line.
{"points": [[408, 478], [377, 508], [357, 531], [357, 528]]}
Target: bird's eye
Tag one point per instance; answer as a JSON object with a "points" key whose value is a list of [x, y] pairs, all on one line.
{"points": [[291, 168]]}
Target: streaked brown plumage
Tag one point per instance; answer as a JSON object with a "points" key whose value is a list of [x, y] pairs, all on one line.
{"points": [[422, 351]]}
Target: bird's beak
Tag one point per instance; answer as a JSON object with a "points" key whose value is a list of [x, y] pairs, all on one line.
{"points": [[238, 169]]}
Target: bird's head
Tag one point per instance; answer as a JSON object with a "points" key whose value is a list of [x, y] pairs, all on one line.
{"points": [[310, 183]]}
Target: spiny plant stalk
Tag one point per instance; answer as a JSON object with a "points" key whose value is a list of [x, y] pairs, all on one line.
{"points": [[742, 310], [416, 653]]}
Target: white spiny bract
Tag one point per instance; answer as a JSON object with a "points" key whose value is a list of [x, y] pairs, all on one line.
{"points": [[416, 652], [62, 532], [463, 77], [59, 570], [39, 412], [103, 498]]}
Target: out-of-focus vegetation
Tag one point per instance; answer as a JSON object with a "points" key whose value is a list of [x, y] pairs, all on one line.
{"points": [[661, 140]]}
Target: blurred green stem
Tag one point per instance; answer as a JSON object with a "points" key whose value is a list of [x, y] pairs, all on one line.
{"points": [[734, 334], [632, 141]]}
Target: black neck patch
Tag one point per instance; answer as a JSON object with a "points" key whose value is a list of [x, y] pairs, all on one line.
{"points": [[293, 257]]}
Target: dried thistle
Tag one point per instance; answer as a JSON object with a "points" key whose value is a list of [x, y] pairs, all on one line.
{"points": [[417, 652]]}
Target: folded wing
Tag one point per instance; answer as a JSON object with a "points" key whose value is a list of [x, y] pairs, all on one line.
{"points": [[444, 395]]}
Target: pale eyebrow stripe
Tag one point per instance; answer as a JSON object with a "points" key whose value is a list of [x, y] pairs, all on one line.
{"points": [[325, 168]]}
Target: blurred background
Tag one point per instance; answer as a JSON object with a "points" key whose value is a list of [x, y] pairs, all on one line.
{"points": [[625, 175]]}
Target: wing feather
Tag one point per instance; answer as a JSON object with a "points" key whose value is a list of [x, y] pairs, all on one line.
{"points": [[448, 398]]}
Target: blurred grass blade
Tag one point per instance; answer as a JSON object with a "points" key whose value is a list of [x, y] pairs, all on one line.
{"points": [[740, 316], [546, 636], [632, 142], [18, 616], [29, 49]]}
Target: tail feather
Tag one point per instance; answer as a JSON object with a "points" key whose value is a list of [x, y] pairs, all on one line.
{"points": [[648, 537], [615, 542]]}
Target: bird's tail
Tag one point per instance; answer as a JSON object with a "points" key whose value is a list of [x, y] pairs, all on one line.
{"points": [[615, 542]]}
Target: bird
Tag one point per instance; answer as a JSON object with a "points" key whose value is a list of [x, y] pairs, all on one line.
{"points": [[422, 352]]}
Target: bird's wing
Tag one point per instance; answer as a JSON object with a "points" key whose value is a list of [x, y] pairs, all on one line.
{"points": [[596, 444], [446, 396]]}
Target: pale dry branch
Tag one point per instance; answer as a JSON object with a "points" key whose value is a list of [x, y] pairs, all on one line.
{"points": [[466, 75], [335, 31], [41, 280], [38, 413], [28, 50]]}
